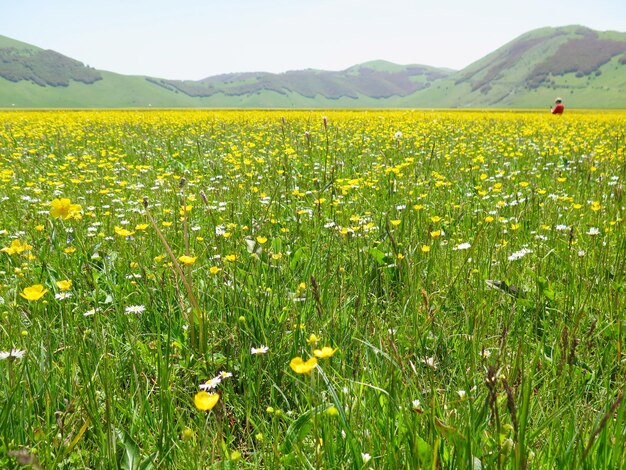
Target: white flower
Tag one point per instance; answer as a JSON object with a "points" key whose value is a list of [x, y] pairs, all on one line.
{"points": [[366, 457], [462, 246], [91, 312], [416, 404], [215, 381], [561, 227], [593, 231], [461, 394], [430, 362], [135, 309], [261, 350], [581, 253], [398, 135], [13, 353], [211, 384], [519, 254], [62, 295]]}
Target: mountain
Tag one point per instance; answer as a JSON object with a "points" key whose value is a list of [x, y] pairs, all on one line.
{"points": [[585, 67], [378, 79]]}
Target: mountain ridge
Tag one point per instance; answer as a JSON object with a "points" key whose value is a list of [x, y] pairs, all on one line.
{"points": [[587, 66]]}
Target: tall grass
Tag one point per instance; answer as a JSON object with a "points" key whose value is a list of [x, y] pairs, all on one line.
{"points": [[466, 272]]}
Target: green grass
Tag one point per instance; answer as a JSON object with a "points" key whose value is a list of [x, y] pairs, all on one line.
{"points": [[467, 269]]}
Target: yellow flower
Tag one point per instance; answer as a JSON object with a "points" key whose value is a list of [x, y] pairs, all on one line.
{"points": [[261, 240], [230, 258], [188, 260], [313, 339], [64, 285], [122, 232], [214, 270], [33, 293], [425, 248], [206, 401], [435, 219], [325, 352], [65, 209], [395, 222], [435, 233], [141, 226], [16, 247], [39, 228], [301, 367], [69, 250]]}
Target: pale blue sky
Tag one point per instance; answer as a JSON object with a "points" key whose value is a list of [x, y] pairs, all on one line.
{"points": [[194, 39]]}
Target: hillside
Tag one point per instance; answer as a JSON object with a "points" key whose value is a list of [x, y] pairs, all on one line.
{"points": [[373, 79], [586, 67]]}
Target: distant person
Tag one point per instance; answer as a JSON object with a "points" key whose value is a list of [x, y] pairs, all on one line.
{"points": [[559, 107]]}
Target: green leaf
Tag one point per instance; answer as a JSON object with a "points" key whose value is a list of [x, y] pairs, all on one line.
{"points": [[298, 430], [424, 450], [148, 462], [300, 255], [130, 457], [548, 294], [378, 255]]}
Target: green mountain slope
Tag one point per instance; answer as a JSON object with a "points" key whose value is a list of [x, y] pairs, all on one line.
{"points": [[374, 80], [585, 67]]}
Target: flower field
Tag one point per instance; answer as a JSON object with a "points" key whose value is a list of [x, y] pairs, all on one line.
{"points": [[243, 289]]}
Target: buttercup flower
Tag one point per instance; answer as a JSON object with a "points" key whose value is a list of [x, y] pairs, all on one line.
{"points": [[187, 260], [16, 247], [206, 401], [34, 293], [64, 285], [122, 232], [325, 352], [64, 209], [301, 367]]}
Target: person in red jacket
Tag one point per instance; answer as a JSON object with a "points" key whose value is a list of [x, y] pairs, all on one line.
{"points": [[559, 107]]}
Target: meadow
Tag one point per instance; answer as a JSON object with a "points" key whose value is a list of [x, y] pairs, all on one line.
{"points": [[342, 289]]}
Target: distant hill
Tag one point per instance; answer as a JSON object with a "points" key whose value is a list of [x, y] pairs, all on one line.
{"points": [[375, 80], [586, 67]]}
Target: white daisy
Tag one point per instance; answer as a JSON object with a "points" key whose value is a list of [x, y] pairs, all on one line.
{"points": [[135, 309], [13, 353]]}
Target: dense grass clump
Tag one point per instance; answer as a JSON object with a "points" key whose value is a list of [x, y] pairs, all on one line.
{"points": [[286, 289]]}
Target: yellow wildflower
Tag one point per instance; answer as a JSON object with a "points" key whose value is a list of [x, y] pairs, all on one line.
{"points": [[206, 401], [325, 352], [64, 209], [301, 367], [64, 285], [122, 232], [34, 293], [187, 260]]}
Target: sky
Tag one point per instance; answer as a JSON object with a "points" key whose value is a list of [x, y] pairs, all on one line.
{"points": [[194, 39]]}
